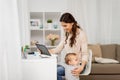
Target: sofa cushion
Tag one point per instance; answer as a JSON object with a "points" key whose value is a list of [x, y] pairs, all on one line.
{"points": [[105, 68], [105, 60], [109, 51], [96, 51], [118, 53]]}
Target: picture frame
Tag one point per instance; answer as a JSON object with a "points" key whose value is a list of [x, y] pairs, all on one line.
{"points": [[35, 22]]}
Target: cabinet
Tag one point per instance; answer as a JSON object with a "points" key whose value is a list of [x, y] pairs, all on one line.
{"points": [[37, 68], [40, 29]]}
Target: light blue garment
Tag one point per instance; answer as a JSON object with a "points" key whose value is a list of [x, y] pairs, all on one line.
{"points": [[68, 74]]}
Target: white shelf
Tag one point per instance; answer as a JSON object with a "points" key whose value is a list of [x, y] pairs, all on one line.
{"points": [[53, 29], [35, 28], [40, 32], [46, 46]]}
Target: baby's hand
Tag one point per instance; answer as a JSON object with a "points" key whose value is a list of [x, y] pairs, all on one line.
{"points": [[77, 71]]}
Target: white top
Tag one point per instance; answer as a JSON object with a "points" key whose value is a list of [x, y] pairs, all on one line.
{"points": [[68, 74], [79, 48]]}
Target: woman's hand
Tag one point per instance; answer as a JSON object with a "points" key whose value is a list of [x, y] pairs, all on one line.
{"points": [[50, 51], [77, 71]]}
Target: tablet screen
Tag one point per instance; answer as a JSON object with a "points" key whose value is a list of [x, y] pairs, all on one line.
{"points": [[43, 49]]}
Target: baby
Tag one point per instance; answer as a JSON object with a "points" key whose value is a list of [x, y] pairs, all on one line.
{"points": [[72, 61]]}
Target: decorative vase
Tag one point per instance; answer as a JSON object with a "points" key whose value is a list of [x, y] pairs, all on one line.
{"points": [[49, 25], [52, 42]]}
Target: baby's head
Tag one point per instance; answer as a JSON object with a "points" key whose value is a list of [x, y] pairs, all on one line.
{"points": [[71, 59]]}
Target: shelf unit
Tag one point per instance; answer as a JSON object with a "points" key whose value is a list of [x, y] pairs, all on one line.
{"points": [[39, 28]]}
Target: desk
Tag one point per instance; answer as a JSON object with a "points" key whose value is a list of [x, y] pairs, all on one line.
{"points": [[37, 68]]}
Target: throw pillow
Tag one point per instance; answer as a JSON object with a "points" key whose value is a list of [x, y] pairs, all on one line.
{"points": [[96, 51], [105, 60]]}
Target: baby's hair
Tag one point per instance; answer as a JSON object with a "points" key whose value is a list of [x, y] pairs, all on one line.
{"points": [[68, 57]]}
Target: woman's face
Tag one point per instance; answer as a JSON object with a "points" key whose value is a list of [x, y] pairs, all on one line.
{"points": [[67, 26]]}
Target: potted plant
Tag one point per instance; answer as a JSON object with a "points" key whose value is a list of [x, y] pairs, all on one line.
{"points": [[49, 23], [26, 48]]}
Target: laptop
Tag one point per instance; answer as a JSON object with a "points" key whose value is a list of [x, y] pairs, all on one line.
{"points": [[43, 49]]}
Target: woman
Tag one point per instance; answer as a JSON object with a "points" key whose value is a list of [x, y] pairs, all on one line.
{"points": [[74, 41]]}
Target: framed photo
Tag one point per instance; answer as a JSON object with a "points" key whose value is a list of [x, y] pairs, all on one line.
{"points": [[35, 22]]}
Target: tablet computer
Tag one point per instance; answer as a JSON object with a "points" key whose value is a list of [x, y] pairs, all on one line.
{"points": [[43, 49]]}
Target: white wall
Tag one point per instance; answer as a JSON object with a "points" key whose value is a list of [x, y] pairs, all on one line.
{"points": [[47, 5], [99, 18], [87, 14], [116, 22], [26, 6]]}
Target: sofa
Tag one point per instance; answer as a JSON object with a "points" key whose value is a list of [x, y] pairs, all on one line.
{"points": [[104, 71]]}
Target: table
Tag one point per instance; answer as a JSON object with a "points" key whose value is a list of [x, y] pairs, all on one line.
{"points": [[37, 68]]}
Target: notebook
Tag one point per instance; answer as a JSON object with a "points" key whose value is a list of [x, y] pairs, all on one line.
{"points": [[43, 49]]}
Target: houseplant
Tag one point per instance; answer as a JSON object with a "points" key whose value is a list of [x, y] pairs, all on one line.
{"points": [[49, 21]]}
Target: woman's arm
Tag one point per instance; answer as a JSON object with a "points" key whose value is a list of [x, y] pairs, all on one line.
{"points": [[84, 47], [58, 49], [84, 51]]}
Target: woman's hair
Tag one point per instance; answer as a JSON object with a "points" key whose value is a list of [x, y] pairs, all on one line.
{"points": [[69, 57], [68, 18]]}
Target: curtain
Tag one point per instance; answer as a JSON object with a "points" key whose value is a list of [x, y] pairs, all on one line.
{"points": [[24, 19], [86, 16], [10, 50], [96, 18], [105, 21]]}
